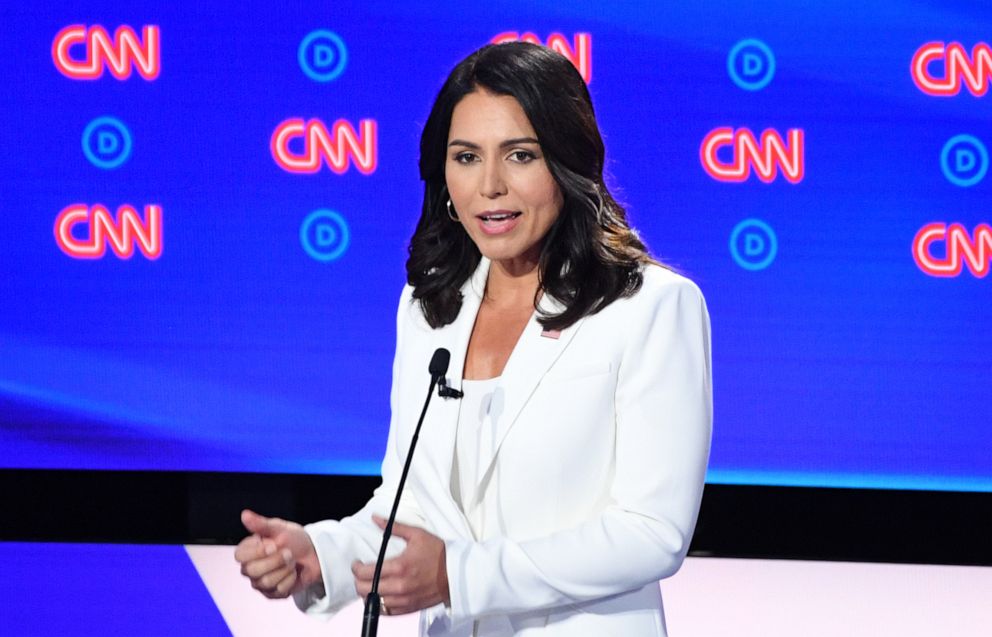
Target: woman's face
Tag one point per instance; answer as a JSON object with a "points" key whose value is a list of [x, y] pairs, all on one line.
{"points": [[498, 181]]}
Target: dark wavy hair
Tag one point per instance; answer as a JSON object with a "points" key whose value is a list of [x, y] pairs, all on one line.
{"points": [[590, 256]]}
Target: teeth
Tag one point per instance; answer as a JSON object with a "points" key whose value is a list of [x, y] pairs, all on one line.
{"points": [[499, 217]]}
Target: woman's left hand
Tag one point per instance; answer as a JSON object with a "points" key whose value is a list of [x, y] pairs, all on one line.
{"points": [[413, 580]]}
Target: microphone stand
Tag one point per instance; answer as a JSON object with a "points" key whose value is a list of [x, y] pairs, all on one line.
{"points": [[373, 603]]}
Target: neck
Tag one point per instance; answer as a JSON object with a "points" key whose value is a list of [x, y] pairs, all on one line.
{"points": [[512, 282]]}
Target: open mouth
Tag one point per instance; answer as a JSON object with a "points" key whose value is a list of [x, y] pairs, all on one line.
{"points": [[503, 216]]}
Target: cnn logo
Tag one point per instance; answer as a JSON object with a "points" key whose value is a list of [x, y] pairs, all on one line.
{"points": [[960, 249], [83, 53], [743, 151], [959, 69], [339, 147], [579, 52], [84, 232]]}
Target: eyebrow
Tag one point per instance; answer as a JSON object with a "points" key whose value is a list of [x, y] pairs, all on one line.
{"points": [[509, 142]]}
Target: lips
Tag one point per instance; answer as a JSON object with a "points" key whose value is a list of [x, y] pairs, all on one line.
{"points": [[498, 221]]}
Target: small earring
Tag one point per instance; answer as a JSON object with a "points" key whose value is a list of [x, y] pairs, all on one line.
{"points": [[451, 213]]}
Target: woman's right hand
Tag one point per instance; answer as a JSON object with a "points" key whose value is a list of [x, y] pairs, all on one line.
{"points": [[278, 557]]}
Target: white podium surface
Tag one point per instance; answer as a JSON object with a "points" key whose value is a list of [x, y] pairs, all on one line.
{"points": [[709, 597]]}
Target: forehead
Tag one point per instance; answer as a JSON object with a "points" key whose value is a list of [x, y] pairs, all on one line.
{"points": [[482, 115]]}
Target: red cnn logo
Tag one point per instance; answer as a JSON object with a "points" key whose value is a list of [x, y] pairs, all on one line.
{"points": [[579, 52], [960, 249], [120, 55], [976, 71], [767, 156], [339, 147], [122, 234]]}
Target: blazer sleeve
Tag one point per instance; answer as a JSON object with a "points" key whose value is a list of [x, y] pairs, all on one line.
{"points": [[356, 537], [663, 420]]}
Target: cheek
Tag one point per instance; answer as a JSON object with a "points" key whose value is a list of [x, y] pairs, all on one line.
{"points": [[552, 192], [458, 190], [541, 193], [551, 200]]}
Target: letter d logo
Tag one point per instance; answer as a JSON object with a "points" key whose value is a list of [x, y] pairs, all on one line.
{"points": [[106, 142], [964, 160], [751, 64], [322, 55]]}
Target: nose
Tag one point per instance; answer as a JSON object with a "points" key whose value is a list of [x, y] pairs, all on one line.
{"points": [[493, 184]]}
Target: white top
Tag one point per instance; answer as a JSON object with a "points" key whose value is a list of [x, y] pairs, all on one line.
{"points": [[478, 412]]}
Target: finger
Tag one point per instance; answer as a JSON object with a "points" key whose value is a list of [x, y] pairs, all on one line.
{"points": [[399, 592], [400, 605], [391, 579], [249, 548], [396, 606], [396, 567], [271, 580], [257, 524], [262, 549], [286, 585], [363, 572], [363, 588], [257, 568], [277, 592], [396, 588]]}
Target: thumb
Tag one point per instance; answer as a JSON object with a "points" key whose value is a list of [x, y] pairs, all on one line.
{"points": [[399, 530], [258, 524]]}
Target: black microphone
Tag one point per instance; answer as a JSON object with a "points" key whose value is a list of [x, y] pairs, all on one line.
{"points": [[439, 367], [446, 391], [439, 364], [373, 603]]}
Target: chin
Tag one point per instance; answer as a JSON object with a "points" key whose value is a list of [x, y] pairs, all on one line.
{"points": [[497, 255], [506, 248]]}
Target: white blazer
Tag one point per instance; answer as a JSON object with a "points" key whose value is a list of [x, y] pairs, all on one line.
{"points": [[591, 484]]}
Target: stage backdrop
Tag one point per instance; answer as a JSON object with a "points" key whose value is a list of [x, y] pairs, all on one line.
{"points": [[205, 210]]}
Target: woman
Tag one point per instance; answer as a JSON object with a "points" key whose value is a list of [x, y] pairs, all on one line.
{"points": [[554, 495]]}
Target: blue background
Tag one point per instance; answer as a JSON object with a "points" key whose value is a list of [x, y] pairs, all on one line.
{"points": [[100, 589], [840, 364]]}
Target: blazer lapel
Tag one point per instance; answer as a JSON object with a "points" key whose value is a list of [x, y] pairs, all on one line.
{"points": [[530, 360], [443, 412], [455, 337]]}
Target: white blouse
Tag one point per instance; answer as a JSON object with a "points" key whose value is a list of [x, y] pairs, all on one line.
{"points": [[478, 413]]}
